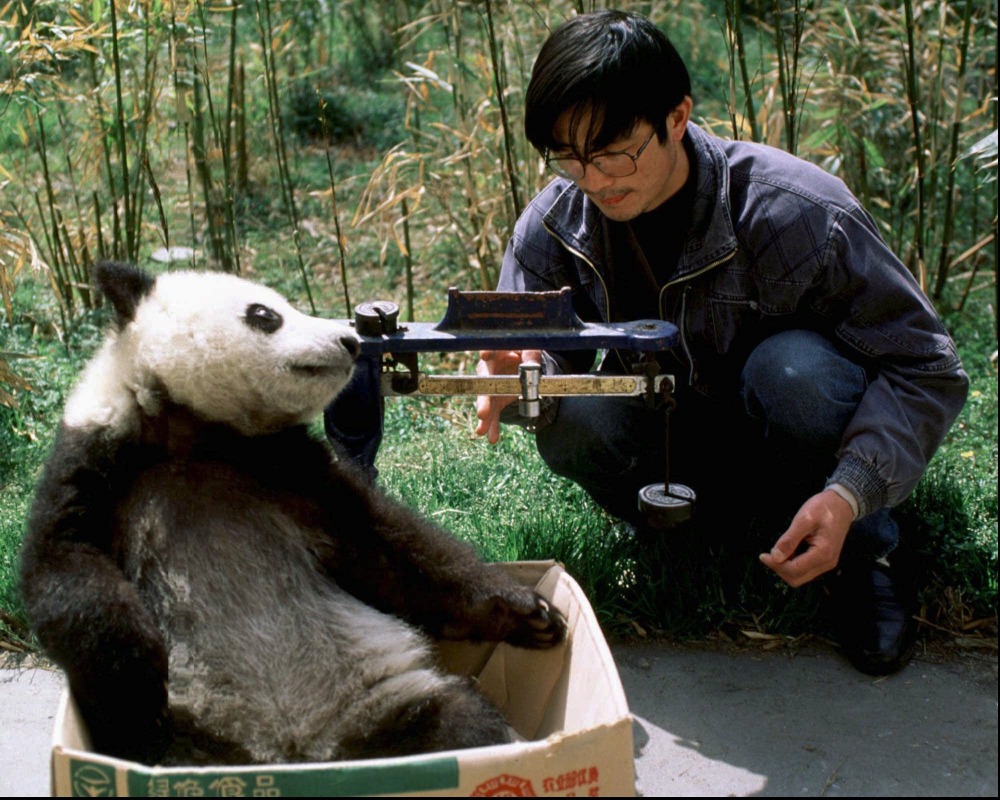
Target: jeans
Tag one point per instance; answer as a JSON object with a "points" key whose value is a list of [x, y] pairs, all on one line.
{"points": [[752, 462]]}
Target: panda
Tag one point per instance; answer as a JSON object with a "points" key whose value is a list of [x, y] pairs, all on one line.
{"points": [[216, 585]]}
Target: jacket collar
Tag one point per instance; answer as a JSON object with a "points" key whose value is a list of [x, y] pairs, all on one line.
{"points": [[580, 225]]}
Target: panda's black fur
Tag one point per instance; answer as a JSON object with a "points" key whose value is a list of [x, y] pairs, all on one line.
{"points": [[218, 587]]}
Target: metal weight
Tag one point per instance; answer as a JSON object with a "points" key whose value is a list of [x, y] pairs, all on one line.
{"points": [[664, 507], [376, 318]]}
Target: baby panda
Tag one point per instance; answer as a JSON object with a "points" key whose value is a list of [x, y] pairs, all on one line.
{"points": [[217, 586]]}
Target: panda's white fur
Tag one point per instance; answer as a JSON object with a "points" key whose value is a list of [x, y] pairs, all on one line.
{"points": [[217, 587], [188, 335]]}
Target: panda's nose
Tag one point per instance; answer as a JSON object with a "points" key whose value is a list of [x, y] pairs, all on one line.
{"points": [[352, 346]]}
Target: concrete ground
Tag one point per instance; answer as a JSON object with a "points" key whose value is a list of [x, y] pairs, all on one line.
{"points": [[718, 721], [712, 722]]}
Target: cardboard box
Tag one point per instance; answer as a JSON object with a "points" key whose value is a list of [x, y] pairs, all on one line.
{"points": [[567, 703]]}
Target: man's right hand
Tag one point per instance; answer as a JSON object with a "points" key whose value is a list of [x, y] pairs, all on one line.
{"points": [[498, 362]]}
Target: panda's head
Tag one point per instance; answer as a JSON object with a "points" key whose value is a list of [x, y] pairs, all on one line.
{"points": [[229, 350]]}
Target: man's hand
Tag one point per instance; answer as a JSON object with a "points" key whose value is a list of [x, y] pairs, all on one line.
{"points": [[498, 362], [821, 525]]}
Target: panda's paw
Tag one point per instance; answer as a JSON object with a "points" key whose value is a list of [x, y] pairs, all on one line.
{"points": [[535, 623], [501, 613]]}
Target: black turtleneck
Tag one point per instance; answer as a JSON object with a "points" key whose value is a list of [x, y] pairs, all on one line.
{"points": [[657, 239]]}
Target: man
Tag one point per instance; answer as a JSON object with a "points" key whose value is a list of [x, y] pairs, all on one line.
{"points": [[815, 380]]}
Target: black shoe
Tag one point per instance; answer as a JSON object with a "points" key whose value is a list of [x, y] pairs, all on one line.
{"points": [[873, 616]]}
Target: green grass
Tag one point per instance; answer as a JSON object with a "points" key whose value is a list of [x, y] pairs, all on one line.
{"points": [[26, 435], [503, 499], [954, 508]]}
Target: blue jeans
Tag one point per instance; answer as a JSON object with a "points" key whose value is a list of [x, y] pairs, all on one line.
{"points": [[752, 462]]}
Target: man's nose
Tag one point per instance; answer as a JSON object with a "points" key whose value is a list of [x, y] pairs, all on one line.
{"points": [[594, 180]]}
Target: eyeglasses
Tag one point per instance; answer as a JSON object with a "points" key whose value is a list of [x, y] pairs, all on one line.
{"points": [[618, 164]]}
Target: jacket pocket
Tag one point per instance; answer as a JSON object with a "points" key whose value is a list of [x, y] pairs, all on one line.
{"points": [[730, 321]]}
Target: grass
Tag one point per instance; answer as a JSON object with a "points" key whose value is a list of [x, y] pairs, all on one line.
{"points": [[954, 508], [26, 434]]}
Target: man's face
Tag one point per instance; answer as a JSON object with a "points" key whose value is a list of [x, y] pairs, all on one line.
{"points": [[661, 169]]}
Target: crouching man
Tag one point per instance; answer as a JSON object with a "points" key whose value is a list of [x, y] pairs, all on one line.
{"points": [[815, 380]]}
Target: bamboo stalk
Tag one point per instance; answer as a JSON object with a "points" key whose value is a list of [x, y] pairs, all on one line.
{"points": [[180, 76], [58, 255], [242, 155], [158, 199], [79, 265], [956, 128], [333, 203], [130, 244], [736, 52], [102, 249], [218, 202], [116, 225], [913, 99], [264, 28], [751, 112], [734, 124], [407, 259], [146, 94], [61, 302], [502, 103], [788, 69], [199, 154]]}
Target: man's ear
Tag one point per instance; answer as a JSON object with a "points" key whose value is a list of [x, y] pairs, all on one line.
{"points": [[678, 119]]}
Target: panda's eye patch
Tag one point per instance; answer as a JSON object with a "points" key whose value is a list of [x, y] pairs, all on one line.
{"points": [[262, 318]]}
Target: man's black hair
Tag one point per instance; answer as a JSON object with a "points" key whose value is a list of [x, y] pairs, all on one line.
{"points": [[616, 67]]}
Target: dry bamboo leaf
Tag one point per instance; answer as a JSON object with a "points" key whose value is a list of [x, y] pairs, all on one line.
{"points": [[429, 75], [766, 637], [973, 250], [8, 400]]}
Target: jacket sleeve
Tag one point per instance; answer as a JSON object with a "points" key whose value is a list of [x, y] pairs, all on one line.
{"points": [[917, 385]]}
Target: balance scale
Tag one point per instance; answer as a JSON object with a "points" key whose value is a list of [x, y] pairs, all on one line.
{"points": [[388, 367]]}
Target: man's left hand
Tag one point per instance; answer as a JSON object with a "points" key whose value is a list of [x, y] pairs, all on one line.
{"points": [[821, 525]]}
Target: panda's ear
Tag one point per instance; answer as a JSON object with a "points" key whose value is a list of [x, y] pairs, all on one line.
{"points": [[125, 285]]}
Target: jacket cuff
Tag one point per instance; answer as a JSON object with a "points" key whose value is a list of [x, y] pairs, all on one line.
{"points": [[848, 497], [862, 480]]}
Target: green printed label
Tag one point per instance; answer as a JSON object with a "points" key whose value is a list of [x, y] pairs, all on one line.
{"points": [[344, 781]]}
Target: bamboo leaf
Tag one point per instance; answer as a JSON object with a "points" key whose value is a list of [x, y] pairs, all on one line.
{"points": [[874, 155], [431, 76], [984, 148]]}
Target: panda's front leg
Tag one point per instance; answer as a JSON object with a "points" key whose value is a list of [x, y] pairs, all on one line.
{"points": [[91, 622], [87, 616], [400, 562]]}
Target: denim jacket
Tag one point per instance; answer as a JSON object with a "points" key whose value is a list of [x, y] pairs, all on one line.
{"points": [[775, 244]]}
